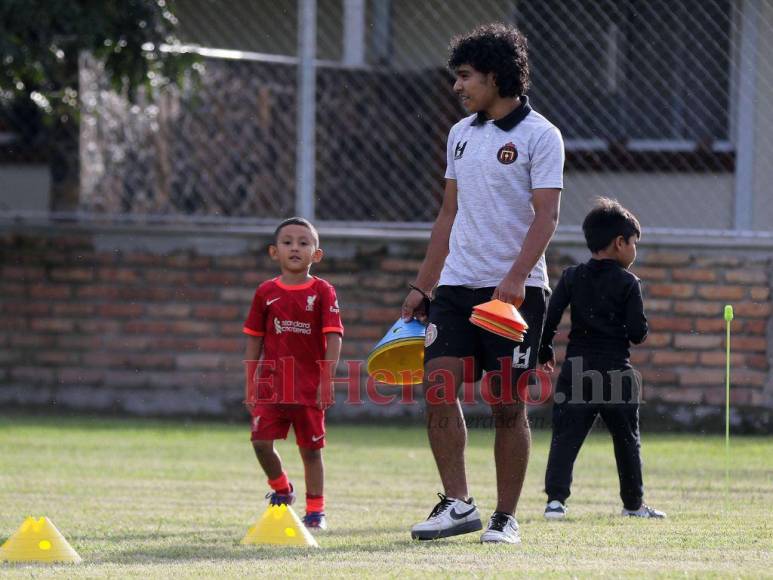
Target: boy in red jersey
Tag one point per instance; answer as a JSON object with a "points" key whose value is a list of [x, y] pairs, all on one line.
{"points": [[294, 322]]}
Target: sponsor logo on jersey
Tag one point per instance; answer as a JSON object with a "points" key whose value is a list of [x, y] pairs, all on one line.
{"points": [[507, 154], [294, 326], [459, 150], [334, 307]]}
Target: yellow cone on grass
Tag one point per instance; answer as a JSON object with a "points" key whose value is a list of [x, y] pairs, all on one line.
{"points": [[38, 541], [280, 526]]}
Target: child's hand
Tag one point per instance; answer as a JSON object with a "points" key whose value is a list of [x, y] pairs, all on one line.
{"points": [[549, 366], [325, 401]]}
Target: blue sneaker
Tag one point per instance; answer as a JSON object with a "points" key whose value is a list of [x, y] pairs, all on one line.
{"points": [[276, 498], [555, 510], [315, 521]]}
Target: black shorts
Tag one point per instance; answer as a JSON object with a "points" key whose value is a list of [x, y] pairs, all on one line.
{"points": [[450, 332]]}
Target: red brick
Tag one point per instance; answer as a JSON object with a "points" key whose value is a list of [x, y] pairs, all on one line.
{"points": [[698, 341], [658, 323], [658, 376], [55, 357], [189, 294], [7, 289], [148, 327], [27, 308], [701, 376], [367, 332], [218, 312], [166, 276], [398, 265], [657, 305], [168, 310], [757, 361], [52, 325], [139, 293], [720, 292], [380, 314], [74, 309], [235, 262], [80, 375], [215, 278], [717, 359], [674, 358], [74, 342], [129, 343], [715, 260], [126, 378], [46, 292], [746, 276], [235, 328], [749, 343], [710, 324], [383, 282], [183, 327], [24, 273], [33, 340], [640, 357], [173, 343], [200, 361], [698, 307], [92, 292], [679, 395], [99, 326], [33, 375], [759, 293], [72, 274], [122, 275], [142, 259], [694, 275], [752, 309], [748, 377], [120, 310], [666, 258], [669, 290], [349, 315], [240, 295], [220, 344], [658, 339], [752, 326]]}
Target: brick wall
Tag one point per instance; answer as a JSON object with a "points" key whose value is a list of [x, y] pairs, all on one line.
{"points": [[150, 322]]}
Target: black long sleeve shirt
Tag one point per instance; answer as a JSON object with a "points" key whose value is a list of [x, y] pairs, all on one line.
{"points": [[607, 313]]}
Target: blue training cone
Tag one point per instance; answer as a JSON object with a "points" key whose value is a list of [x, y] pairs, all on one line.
{"points": [[398, 358]]}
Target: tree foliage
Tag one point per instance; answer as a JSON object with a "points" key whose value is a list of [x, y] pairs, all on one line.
{"points": [[40, 41]]}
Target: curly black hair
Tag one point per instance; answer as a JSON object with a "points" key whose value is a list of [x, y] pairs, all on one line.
{"points": [[498, 48], [607, 220]]}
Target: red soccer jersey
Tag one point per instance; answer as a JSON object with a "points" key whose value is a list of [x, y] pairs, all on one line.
{"points": [[293, 321]]}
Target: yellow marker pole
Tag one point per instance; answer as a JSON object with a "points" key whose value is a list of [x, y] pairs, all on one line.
{"points": [[728, 319]]}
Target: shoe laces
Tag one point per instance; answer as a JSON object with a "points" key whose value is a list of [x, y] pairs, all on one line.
{"points": [[444, 503], [498, 521]]}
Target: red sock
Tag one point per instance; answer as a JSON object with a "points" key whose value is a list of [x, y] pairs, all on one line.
{"points": [[281, 484], [315, 503]]}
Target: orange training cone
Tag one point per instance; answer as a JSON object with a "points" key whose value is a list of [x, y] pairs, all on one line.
{"points": [[502, 312], [38, 541]]}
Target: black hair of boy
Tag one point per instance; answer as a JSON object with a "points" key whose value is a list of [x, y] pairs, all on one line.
{"points": [[297, 221], [606, 221], [494, 48]]}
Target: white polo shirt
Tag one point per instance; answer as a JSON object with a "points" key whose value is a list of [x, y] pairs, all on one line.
{"points": [[496, 165]]}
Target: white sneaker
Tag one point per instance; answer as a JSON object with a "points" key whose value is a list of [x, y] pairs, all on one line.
{"points": [[644, 511], [502, 529], [450, 517], [555, 510]]}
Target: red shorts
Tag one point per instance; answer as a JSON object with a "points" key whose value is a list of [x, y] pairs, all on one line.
{"points": [[270, 422]]}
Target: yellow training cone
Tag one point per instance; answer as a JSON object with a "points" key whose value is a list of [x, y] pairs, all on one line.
{"points": [[280, 526], [38, 541]]}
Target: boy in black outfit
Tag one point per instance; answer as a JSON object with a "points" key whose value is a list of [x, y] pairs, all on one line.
{"points": [[597, 378]]}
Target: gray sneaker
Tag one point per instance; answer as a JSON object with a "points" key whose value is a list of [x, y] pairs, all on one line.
{"points": [[502, 529], [644, 511], [555, 510], [450, 517]]}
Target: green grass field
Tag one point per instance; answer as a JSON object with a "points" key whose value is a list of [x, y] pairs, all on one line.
{"points": [[151, 499]]}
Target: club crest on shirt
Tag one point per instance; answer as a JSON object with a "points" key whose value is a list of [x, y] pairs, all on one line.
{"points": [[459, 150], [507, 154], [310, 302], [430, 335], [277, 326]]}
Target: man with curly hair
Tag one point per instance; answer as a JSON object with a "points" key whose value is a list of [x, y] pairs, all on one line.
{"points": [[503, 184]]}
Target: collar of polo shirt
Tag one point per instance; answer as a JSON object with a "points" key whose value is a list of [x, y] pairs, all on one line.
{"points": [[511, 119]]}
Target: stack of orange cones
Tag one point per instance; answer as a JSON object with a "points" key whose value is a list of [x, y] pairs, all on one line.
{"points": [[500, 318]]}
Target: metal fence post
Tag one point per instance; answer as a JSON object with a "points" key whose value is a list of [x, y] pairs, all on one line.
{"points": [[747, 88], [305, 167]]}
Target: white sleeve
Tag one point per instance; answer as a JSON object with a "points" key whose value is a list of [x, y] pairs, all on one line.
{"points": [[450, 169], [547, 161]]}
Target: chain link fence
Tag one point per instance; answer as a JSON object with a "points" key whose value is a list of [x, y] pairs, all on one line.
{"points": [[662, 104]]}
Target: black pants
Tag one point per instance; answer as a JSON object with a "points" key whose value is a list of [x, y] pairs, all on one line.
{"points": [[572, 421]]}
